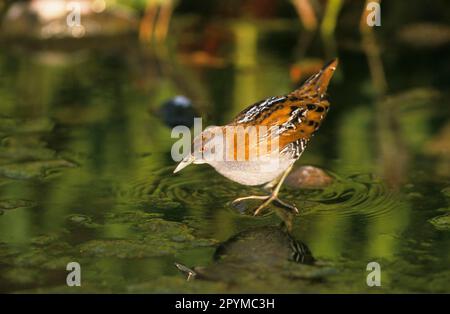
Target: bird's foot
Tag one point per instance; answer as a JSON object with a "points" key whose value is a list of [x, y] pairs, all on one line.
{"points": [[267, 201]]}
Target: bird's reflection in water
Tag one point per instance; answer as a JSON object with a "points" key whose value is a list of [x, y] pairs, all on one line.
{"points": [[269, 245], [259, 252]]}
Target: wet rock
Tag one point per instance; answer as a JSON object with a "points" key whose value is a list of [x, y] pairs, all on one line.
{"points": [[441, 222], [177, 111], [309, 177]]}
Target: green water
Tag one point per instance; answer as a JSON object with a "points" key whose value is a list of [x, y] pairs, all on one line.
{"points": [[86, 175]]}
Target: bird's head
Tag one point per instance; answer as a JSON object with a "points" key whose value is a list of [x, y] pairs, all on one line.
{"points": [[207, 147]]}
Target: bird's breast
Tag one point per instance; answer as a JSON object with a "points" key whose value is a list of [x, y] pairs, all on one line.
{"points": [[252, 172]]}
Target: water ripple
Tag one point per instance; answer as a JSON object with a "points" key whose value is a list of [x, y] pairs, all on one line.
{"points": [[359, 194], [356, 195], [201, 187]]}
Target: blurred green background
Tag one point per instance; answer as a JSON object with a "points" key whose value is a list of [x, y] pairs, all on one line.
{"points": [[85, 138]]}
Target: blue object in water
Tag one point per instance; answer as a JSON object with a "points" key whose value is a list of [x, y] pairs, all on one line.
{"points": [[178, 111]]}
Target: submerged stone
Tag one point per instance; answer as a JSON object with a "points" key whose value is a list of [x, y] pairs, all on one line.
{"points": [[309, 177]]}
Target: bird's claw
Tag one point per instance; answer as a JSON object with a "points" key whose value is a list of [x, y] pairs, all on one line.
{"points": [[267, 200], [281, 203]]}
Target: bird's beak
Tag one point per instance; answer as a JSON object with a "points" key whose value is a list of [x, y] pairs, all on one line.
{"points": [[189, 159]]}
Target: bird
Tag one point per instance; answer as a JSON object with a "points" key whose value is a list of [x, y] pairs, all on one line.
{"points": [[284, 123]]}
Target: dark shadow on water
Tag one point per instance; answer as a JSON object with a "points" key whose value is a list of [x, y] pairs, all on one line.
{"points": [[257, 250]]}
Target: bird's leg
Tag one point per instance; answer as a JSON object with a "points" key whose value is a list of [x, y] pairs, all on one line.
{"points": [[269, 188], [251, 197], [271, 185], [281, 203], [273, 197]]}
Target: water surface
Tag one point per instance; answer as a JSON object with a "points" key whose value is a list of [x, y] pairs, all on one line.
{"points": [[86, 175]]}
